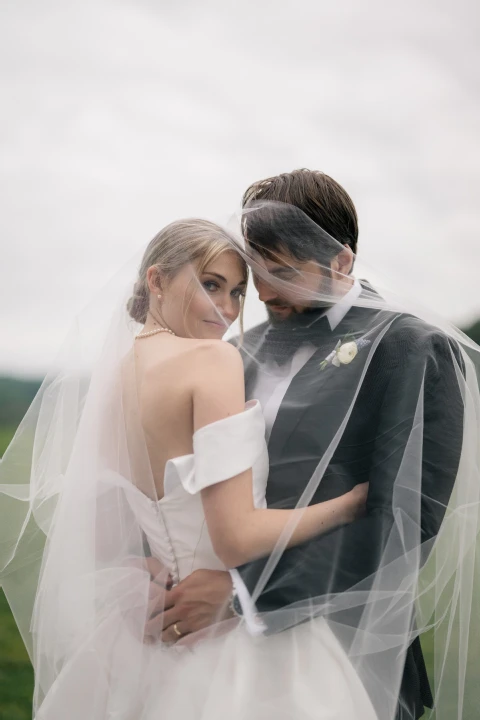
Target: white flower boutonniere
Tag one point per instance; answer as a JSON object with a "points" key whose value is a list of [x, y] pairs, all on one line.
{"points": [[344, 352]]}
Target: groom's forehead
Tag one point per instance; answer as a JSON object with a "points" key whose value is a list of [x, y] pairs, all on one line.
{"points": [[279, 261]]}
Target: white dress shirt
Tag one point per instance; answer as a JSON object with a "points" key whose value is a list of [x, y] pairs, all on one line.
{"points": [[272, 383], [273, 380]]}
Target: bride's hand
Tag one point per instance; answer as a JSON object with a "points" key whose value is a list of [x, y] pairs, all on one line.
{"points": [[356, 501]]}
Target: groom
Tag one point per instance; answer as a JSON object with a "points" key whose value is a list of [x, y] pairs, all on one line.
{"points": [[297, 439]]}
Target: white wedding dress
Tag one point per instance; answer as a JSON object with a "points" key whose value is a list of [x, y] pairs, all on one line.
{"points": [[238, 675], [299, 674]]}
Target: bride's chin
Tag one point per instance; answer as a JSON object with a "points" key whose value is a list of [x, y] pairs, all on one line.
{"points": [[214, 330]]}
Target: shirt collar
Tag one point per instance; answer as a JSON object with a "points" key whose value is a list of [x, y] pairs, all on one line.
{"points": [[337, 312]]}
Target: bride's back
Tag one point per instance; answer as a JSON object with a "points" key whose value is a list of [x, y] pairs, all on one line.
{"points": [[190, 288], [165, 372]]}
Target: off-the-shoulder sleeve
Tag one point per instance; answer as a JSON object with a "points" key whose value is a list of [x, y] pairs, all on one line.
{"points": [[226, 448]]}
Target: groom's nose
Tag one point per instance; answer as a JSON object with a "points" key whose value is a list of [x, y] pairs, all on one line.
{"points": [[265, 291]]}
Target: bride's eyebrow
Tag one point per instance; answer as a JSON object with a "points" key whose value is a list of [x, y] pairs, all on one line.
{"points": [[217, 275], [220, 277]]}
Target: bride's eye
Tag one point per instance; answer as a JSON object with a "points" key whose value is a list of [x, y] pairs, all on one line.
{"points": [[237, 293], [211, 286]]}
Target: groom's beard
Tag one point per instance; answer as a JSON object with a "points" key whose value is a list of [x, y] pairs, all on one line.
{"points": [[299, 316]]}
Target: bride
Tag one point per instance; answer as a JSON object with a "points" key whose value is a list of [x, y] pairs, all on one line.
{"points": [[167, 458]]}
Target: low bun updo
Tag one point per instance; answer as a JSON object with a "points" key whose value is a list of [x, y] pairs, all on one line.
{"points": [[138, 304], [180, 243]]}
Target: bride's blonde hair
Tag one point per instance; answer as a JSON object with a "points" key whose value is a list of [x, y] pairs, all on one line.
{"points": [[184, 241]]}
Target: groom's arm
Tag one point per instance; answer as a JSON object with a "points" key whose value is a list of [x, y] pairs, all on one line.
{"points": [[335, 562]]}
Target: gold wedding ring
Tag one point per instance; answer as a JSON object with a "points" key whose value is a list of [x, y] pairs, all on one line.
{"points": [[176, 630]]}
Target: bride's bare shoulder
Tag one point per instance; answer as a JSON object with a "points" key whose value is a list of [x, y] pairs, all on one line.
{"points": [[216, 381], [199, 359], [209, 372], [215, 356]]}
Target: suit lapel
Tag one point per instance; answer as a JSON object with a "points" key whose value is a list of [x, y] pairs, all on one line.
{"points": [[305, 386]]}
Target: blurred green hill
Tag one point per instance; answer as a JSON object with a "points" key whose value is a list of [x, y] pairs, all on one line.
{"points": [[473, 332], [15, 397], [16, 676]]}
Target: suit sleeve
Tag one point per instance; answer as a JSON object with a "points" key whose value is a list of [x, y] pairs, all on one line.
{"points": [[336, 562]]}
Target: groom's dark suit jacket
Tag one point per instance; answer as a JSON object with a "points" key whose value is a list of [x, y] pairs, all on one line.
{"points": [[412, 360]]}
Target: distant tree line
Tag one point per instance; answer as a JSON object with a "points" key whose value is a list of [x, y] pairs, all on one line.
{"points": [[473, 332], [15, 398]]}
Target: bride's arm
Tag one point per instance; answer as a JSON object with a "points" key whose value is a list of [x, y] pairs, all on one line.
{"points": [[239, 531]]}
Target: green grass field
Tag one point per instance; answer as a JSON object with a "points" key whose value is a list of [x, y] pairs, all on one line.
{"points": [[6, 434], [16, 675]]}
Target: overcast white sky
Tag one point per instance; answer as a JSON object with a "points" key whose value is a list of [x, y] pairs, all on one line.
{"points": [[118, 116]]}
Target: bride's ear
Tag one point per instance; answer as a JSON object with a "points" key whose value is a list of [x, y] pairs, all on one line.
{"points": [[154, 279]]}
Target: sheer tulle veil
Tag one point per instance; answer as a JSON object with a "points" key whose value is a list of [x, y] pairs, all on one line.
{"points": [[73, 560]]}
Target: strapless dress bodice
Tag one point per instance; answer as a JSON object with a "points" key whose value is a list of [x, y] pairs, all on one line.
{"points": [[175, 526]]}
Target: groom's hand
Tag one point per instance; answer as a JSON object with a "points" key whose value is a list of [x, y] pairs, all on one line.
{"points": [[197, 602]]}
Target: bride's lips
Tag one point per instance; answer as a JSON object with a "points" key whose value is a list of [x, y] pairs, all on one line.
{"points": [[216, 323]]}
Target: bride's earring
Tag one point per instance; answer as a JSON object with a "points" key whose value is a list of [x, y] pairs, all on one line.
{"points": [[159, 297]]}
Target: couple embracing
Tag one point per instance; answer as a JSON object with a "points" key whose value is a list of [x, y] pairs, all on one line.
{"points": [[260, 528]]}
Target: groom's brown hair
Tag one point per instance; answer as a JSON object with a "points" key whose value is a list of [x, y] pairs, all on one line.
{"points": [[320, 197]]}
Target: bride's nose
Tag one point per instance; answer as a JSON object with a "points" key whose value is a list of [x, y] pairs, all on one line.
{"points": [[227, 309]]}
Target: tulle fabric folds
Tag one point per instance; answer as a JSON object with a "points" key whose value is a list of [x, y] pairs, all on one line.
{"points": [[389, 395]]}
